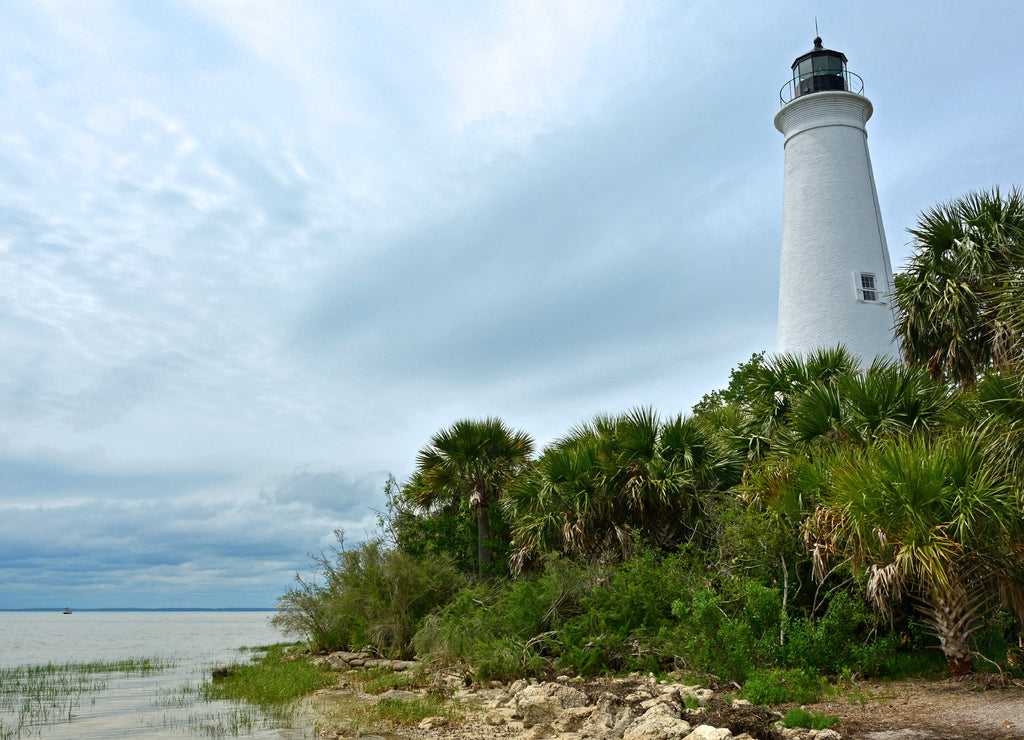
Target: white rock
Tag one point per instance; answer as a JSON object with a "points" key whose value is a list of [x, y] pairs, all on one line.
{"points": [[704, 696], [572, 719], [398, 695], [707, 732], [537, 732], [534, 705], [494, 719], [827, 734], [432, 723], [662, 709], [659, 727], [568, 696]]}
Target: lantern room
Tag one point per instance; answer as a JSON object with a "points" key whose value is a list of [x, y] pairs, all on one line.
{"points": [[820, 70]]}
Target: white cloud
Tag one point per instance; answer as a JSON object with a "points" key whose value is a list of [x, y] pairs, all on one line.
{"points": [[254, 254]]}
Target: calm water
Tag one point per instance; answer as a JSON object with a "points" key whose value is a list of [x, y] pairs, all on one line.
{"points": [[139, 706]]}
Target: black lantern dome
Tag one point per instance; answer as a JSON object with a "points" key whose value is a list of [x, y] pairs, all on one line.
{"points": [[820, 70]]}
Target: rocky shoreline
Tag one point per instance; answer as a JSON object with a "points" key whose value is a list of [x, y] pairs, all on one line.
{"points": [[637, 707]]}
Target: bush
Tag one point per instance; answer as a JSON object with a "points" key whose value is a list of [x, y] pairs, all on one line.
{"points": [[811, 720], [845, 637], [565, 616], [369, 595], [506, 629], [728, 639], [782, 686], [625, 622]]}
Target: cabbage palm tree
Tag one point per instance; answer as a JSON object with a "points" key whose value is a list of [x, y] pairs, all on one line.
{"points": [[955, 302], [775, 386], [930, 519], [886, 400], [472, 460], [595, 490]]}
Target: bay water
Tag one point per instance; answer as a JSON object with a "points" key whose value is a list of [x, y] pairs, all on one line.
{"points": [[152, 706]]}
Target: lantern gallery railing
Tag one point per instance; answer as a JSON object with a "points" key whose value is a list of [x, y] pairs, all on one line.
{"points": [[821, 81]]}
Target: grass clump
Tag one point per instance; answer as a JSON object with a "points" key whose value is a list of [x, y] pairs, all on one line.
{"points": [[273, 681], [782, 686], [379, 680], [811, 720], [406, 712]]}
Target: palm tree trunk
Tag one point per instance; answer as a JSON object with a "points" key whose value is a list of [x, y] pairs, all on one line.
{"points": [[951, 618], [483, 535]]}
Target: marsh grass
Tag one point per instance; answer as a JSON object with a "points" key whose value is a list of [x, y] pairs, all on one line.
{"points": [[32, 696], [272, 681], [387, 711], [379, 680], [406, 711]]}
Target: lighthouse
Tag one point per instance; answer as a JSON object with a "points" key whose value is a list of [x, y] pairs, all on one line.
{"points": [[835, 275]]}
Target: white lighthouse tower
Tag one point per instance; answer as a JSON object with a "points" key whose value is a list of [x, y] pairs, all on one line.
{"points": [[835, 272]]}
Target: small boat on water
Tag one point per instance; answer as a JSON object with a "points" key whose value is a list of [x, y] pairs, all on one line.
{"points": [[67, 610]]}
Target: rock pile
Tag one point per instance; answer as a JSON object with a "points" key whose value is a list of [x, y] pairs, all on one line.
{"points": [[344, 661], [631, 709], [634, 708]]}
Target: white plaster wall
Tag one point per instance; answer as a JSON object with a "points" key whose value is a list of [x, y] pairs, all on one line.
{"points": [[831, 230]]}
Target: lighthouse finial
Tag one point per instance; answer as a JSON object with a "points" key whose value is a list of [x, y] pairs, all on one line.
{"points": [[817, 36]]}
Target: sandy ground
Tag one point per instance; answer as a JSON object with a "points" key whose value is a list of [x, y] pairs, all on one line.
{"points": [[971, 708]]}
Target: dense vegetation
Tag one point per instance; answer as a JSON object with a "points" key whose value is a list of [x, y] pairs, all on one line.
{"points": [[813, 517]]}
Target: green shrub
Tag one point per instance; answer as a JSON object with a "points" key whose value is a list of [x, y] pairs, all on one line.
{"points": [[781, 686], [845, 637], [506, 628], [727, 639], [625, 622], [811, 720], [368, 595]]}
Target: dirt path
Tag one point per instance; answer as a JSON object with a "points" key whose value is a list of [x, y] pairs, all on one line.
{"points": [[955, 709]]}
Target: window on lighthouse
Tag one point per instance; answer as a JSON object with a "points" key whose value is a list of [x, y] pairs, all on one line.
{"points": [[866, 288]]}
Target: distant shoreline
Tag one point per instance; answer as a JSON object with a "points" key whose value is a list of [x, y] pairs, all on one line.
{"points": [[145, 609]]}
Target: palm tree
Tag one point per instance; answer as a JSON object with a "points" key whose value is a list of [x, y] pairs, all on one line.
{"points": [[473, 461], [606, 483], [776, 385], [931, 519], [957, 314], [886, 400]]}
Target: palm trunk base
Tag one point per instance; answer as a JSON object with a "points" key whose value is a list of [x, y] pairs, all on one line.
{"points": [[959, 666]]}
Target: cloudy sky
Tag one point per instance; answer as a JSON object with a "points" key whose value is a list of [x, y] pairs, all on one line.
{"points": [[253, 254]]}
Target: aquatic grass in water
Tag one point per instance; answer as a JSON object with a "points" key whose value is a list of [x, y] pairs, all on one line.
{"points": [[274, 682], [32, 696]]}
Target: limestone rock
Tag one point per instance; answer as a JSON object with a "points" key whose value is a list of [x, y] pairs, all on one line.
{"points": [[658, 727], [568, 696], [572, 719], [707, 732], [494, 719], [432, 723], [398, 695], [534, 705], [662, 709], [537, 732]]}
